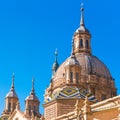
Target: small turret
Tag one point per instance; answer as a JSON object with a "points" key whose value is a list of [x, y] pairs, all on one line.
{"points": [[11, 100], [32, 103], [55, 64]]}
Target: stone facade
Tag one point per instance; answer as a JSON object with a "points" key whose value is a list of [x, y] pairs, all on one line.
{"points": [[85, 110]]}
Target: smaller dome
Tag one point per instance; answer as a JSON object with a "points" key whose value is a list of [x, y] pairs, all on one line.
{"points": [[72, 61], [12, 94], [32, 97], [82, 29]]}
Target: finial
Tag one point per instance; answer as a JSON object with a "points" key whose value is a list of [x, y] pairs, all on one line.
{"points": [[13, 78], [33, 90], [82, 15], [56, 54], [82, 5]]}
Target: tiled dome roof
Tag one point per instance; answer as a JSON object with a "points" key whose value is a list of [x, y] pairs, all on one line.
{"points": [[71, 92]]}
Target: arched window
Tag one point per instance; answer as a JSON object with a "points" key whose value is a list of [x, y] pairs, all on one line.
{"points": [[77, 77], [29, 110], [71, 77], [87, 44], [81, 43], [9, 107]]}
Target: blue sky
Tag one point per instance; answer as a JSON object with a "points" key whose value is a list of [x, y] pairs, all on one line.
{"points": [[31, 30]]}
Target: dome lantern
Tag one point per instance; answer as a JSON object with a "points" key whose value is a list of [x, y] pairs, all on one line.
{"points": [[82, 37], [32, 103]]}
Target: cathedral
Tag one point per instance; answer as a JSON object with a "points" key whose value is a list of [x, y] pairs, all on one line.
{"points": [[81, 88]]}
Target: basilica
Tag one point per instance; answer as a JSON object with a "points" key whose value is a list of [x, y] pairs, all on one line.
{"points": [[81, 88]]}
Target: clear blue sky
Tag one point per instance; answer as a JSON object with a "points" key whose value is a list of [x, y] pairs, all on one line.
{"points": [[30, 31]]}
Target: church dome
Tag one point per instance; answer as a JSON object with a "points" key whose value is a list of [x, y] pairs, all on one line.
{"points": [[82, 29], [89, 65], [12, 94], [82, 69], [32, 97], [82, 56]]}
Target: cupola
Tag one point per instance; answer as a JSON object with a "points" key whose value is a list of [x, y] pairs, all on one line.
{"points": [[82, 37], [32, 103], [72, 69], [11, 98], [11, 101]]}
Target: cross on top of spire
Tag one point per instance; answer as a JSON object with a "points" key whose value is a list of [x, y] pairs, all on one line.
{"points": [[82, 15], [13, 78], [33, 90]]}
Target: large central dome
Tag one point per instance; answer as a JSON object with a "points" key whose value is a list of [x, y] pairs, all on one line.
{"points": [[89, 65]]}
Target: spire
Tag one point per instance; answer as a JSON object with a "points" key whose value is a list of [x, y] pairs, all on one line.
{"points": [[55, 64], [13, 78], [32, 95], [33, 90], [82, 27], [82, 15]]}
